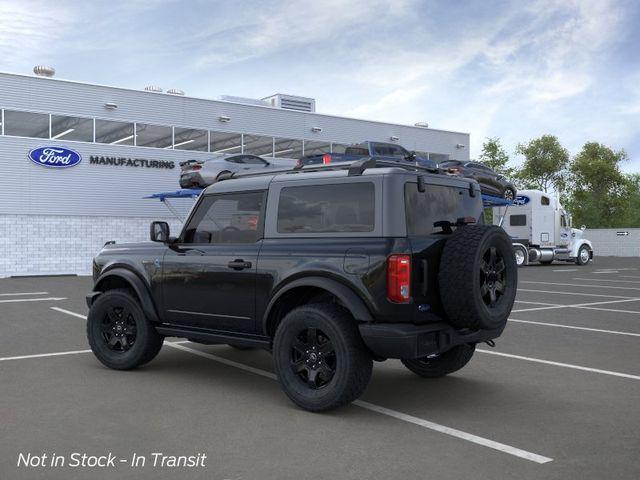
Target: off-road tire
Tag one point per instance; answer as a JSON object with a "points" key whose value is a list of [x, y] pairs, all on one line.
{"points": [[461, 280], [352, 360], [147, 343], [443, 364]]}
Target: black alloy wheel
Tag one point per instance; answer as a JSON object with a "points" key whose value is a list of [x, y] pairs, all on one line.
{"points": [[313, 358], [492, 276], [119, 328]]}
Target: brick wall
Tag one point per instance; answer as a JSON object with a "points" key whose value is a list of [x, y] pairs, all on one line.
{"points": [[47, 244]]}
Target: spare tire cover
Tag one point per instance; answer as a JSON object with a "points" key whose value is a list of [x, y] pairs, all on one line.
{"points": [[478, 277]]}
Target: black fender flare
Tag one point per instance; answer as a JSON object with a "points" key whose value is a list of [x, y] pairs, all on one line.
{"points": [[135, 282], [346, 295]]}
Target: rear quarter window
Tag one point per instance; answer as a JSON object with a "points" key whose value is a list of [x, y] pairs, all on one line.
{"points": [[436, 204], [346, 207]]}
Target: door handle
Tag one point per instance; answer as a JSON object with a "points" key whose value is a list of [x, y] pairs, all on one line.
{"points": [[239, 264]]}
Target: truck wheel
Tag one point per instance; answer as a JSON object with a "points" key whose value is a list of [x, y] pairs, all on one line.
{"points": [[119, 333], [520, 254], [478, 277], [583, 255], [320, 358], [441, 364]]}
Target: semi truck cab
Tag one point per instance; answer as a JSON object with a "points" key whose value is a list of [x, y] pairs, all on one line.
{"points": [[541, 230]]}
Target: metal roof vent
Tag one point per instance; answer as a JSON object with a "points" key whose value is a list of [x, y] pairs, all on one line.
{"points": [[422, 124], [175, 91], [292, 102], [44, 71], [153, 88]]}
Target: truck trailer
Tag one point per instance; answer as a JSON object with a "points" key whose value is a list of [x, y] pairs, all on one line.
{"points": [[541, 230]]}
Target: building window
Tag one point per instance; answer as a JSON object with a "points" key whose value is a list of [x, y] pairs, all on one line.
{"points": [[26, 124], [114, 133], [258, 145], [190, 139], [316, 148], [287, 148], [71, 128], [228, 143], [156, 136]]}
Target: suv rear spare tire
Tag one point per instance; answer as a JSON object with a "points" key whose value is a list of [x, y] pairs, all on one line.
{"points": [[478, 277]]}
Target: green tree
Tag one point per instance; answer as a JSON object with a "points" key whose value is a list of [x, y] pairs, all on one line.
{"points": [[494, 156], [633, 193], [545, 164], [599, 190]]}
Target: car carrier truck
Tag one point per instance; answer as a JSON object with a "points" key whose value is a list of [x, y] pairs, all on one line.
{"points": [[541, 230]]}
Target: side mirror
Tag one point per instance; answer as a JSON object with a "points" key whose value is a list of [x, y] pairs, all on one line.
{"points": [[583, 228], [159, 232]]}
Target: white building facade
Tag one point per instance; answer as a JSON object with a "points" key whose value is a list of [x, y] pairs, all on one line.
{"points": [[121, 145]]}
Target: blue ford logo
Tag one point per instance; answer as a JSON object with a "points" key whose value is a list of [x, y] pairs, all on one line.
{"points": [[521, 200], [55, 157]]}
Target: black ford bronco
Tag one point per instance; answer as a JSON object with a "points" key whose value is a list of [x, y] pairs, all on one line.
{"points": [[329, 268]]}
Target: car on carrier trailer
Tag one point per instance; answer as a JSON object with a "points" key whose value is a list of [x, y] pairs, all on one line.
{"points": [[541, 230]]}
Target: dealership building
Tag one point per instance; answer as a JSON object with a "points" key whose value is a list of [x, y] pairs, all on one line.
{"points": [[119, 145]]}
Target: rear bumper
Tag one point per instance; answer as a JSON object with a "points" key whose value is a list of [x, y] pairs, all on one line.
{"points": [[405, 340]]}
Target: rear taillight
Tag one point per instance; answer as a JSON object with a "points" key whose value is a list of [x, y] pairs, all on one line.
{"points": [[399, 278], [298, 163], [326, 159], [196, 167], [455, 170]]}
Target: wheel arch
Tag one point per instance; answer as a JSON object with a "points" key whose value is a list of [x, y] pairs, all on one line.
{"points": [[583, 242], [299, 291], [124, 278]]}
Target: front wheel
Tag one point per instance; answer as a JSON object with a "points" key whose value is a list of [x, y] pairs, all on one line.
{"points": [[584, 255], [441, 364], [119, 334], [320, 358]]}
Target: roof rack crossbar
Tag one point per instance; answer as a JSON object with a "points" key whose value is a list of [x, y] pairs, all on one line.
{"points": [[354, 168]]}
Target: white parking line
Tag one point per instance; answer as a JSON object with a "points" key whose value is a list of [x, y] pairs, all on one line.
{"points": [[582, 285], [42, 355], [536, 303], [485, 442], [572, 293], [533, 457], [16, 300], [581, 305], [635, 312], [559, 364], [23, 293], [597, 330], [566, 270], [606, 280], [74, 314]]}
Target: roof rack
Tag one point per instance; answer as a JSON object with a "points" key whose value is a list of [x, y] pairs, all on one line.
{"points": [[354, 168]]}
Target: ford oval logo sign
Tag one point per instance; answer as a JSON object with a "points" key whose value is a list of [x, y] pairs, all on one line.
{"points": [[521, 200], [55, 157]]}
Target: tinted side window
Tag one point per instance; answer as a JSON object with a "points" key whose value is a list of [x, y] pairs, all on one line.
{"points": [[251, 160], [437, 204], [232, 218], [327, 208], [389, 150], [518, 220]]}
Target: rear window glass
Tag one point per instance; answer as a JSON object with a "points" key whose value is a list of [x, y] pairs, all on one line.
{"points": [[327, 208], [437, 204], [518, 220]]}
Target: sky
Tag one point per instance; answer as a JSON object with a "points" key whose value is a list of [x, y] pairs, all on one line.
{"points": [[514, 70]]}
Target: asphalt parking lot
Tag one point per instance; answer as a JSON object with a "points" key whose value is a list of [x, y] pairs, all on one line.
{"points": [[558, 398]]}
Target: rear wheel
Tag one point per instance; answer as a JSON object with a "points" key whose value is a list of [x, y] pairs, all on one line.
{"points": [[509, 193], [320, 358], [478, 277], [119, 334], [520, 254], [441, 364]]}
